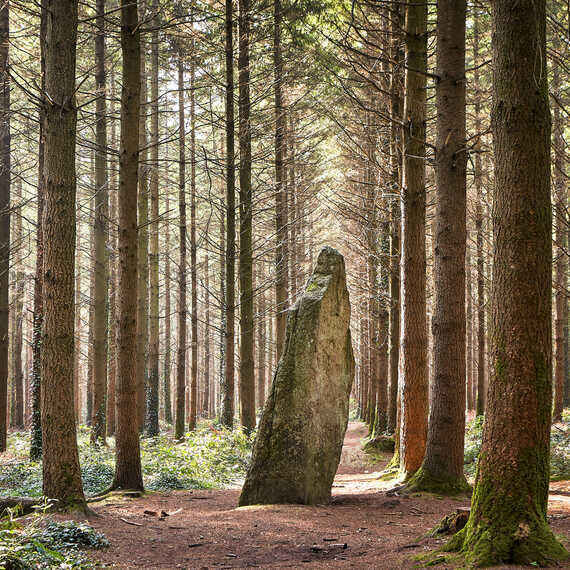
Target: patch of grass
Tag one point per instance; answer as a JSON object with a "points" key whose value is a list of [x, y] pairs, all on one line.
{"points": [[209, 457]]}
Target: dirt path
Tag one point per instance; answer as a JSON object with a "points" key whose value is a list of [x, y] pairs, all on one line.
{"points": [[209, 532]]}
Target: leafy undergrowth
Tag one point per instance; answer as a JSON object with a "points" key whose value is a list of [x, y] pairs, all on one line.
{"points": [[209, 457], [51, 545], [559, 447]]}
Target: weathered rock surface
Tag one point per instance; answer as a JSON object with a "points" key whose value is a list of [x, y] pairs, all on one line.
{"points": [[299, 441]]}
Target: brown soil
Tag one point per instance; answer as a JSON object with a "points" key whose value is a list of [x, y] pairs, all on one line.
{"points": [[206, 530]]}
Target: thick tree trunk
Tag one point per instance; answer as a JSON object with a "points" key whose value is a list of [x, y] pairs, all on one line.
{"points": [[442, 468], [246, 364], [151, 423], [100, 315], [181, 354], [507, 526], [281, 232], [413, 335], [228, 386], [128, 473], [61, 473], [4, 217]]}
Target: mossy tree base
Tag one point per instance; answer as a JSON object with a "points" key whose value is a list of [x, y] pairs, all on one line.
{"points": [[424, 481], [491, 542]]}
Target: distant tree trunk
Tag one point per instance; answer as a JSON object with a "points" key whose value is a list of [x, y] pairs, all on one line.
{"points": [[181, 355], [4, 217], [481, 340], [91, 309], [469, 330], [207, 348], [142, 261], [151, 426], [36, 427], [261, 340], [113, 289], [222, 293], [281, 250], [128, 473], [100, 314], [508, 522], [78, 327], [246, 365], [442, 468], [61, 473], [228, 386], [396, 87], [193, 247], [413, 335], [167, 319], [18, 317], [113, 294], [560, 201]]}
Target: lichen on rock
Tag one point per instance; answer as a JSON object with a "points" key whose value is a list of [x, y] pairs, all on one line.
{"points": [[299, 441]]}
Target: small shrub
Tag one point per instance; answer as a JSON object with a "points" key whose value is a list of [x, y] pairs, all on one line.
{"points": [[55, 545]]}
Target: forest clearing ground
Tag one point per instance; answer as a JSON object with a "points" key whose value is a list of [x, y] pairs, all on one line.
{"points": [[208, 531]]}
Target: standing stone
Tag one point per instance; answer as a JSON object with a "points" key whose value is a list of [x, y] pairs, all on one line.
{"points": [[299, 442]]}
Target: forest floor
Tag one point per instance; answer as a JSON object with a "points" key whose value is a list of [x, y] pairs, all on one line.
{"points": [[204, 529]]}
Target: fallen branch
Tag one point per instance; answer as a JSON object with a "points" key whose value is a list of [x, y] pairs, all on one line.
{"points": [[131, 522]]}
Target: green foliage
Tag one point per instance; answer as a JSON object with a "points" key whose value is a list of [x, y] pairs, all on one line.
{"points": [[55, 545], [473, 437], [209, 457], [559, 447]]}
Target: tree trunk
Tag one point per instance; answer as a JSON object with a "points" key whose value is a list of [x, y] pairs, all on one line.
{"points": [[61, 473], [113, 289], [442, 468], [413, 335], [4, 217], [151, 426], [36, 427], [167, 319], [281, 250], [142, 259], [481, 339], [193, 247], [246, 364], [181, 355], [100, 315], [261, 339], [507, 527], [128, 473], [113, 294], [228, 387], [207, 348], [560, 200], [18, 317]]}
